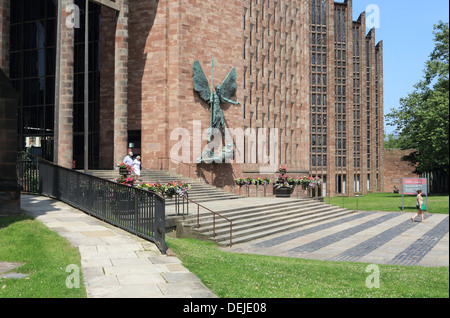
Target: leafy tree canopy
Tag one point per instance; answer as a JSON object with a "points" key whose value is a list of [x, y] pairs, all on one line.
{"points": [[391, 141], [422, 120]]}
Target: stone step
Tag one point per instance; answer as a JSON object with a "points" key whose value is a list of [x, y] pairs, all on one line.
{"points": [[259, 220], [203, 198], [252, 222], [243, 213], [224, 240], [160, 177], [209, 198], [199, 192]]}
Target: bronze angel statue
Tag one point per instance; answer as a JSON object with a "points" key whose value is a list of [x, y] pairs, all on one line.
{"points": [[221, 95]]}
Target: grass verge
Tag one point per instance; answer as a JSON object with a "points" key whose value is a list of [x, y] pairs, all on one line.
{"points": [[231, 275], [391, 202], [46, 256]]}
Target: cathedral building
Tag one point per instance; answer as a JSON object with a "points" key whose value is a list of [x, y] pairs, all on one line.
{"points": [[308, 95]]}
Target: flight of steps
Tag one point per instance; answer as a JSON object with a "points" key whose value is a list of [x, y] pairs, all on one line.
{"points": [[251, 219], [257, 221], [199, 192]]}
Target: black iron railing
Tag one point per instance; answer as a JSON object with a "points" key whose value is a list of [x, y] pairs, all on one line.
{"points": [[28, 175], [137, 211]]}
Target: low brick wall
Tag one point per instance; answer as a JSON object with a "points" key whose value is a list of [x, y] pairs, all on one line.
{"points": [[395, 169]]}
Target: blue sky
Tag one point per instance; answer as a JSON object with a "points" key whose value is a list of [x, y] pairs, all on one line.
{"points": [[406, 28]]}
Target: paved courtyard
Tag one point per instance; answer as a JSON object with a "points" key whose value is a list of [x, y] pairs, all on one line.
{"points": [[118, 264], [371, 237]]}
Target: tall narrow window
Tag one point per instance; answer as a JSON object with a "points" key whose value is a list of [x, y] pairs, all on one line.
{"points": [[318, 84], [32, 72]]}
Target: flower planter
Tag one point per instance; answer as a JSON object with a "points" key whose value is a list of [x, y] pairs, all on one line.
{"points": [[124, 171], [283, 192]]}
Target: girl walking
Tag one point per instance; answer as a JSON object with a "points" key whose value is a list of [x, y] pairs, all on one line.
{"points": [[419, 203]]}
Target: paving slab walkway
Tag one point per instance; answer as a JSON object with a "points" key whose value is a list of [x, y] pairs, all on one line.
{"points": [[365, 236], [6, 269], [8, 266], [115, 263]]}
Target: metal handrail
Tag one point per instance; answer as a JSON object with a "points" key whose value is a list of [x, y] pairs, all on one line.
{"points": [[160, 164], [214, 218]]}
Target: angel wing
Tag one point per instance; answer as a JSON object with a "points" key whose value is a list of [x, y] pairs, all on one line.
{"points": [[201, 84], [229, 86]]}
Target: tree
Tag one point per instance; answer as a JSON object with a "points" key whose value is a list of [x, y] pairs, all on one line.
{"points": [[391, 141], [422, 119]]}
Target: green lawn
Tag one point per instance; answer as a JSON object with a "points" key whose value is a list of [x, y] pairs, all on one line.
{"points": [[46, 254], [391, 202], [231, 275]]}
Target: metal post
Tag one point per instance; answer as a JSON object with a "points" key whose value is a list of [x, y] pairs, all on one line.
{"points": [[211, 99], [403, 201], [136, 212], [183, 208], [231, 231], [198, 216], [86, 87]]}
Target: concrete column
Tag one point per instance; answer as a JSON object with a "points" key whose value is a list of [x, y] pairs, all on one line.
{"points": [[4, 35], [121, 84], [107, 57], [349, 102], [305, 86], [64, 111], [379, 57], [9, 188], [330, 170], [367, 48]]}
